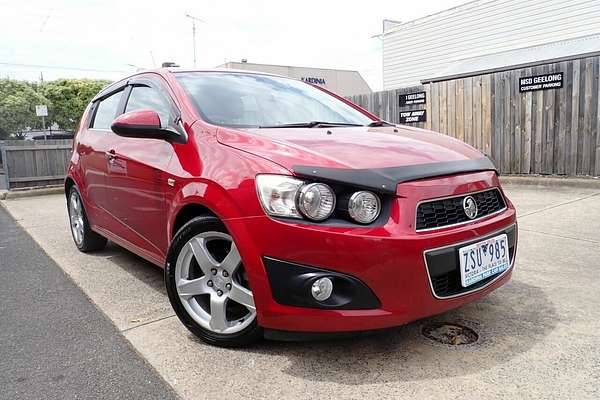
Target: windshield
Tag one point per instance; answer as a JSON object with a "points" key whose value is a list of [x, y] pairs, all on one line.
{"points": [[253, 100]]}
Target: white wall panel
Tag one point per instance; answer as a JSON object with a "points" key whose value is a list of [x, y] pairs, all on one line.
{"points": [[415, 50]]}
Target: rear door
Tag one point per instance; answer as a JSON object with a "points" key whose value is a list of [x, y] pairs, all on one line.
{"points": [[92, 149], [136, 182]]}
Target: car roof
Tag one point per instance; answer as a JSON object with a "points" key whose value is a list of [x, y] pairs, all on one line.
{"points": [[117, 85], [175, 70]]}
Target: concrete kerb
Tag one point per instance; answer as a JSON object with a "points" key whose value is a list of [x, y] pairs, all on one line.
{"points": [[551, 181], [30, 192]]}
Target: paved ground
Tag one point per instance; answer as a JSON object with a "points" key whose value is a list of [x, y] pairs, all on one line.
{"points": [[55, 343], [539, 335]]}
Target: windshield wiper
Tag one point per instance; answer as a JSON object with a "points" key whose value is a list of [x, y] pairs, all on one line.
{"points": [[375, 124], [311, 124]]}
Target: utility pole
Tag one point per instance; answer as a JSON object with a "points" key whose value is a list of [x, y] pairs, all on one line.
{"points": [[194, 19]]}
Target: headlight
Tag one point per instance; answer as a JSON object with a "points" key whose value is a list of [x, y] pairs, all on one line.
{"points": [[286, 196], [316, 201], [277, 194], [364, 207]]}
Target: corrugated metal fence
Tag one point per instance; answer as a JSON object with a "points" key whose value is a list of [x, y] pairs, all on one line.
{"points": [[34, 163], [553, 131]]}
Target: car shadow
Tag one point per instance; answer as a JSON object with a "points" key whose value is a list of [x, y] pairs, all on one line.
{"points": [[138, 267], [510, 321]]}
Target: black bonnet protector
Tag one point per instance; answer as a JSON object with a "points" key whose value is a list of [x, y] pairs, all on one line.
{"points": [[386, 179]]}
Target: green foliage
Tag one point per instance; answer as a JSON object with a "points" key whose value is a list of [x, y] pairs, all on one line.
{"points": [[17, 106], [66, 100]]}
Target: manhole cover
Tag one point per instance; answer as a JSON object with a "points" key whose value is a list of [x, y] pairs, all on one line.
{"points": [[448, 333]]}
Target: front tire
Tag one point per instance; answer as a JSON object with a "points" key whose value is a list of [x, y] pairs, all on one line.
{"points": [[84, 237], [208, 287]]}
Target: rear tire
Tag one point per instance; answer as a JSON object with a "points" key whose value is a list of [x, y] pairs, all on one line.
{"points": [[208, 287], [84, 237]]}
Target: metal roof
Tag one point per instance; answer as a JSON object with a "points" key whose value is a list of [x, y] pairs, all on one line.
{"points": [[529, 56], [224, 66]]}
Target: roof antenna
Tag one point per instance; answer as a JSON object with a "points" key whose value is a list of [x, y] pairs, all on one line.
{"points": [[194, 20], [46, 20]]}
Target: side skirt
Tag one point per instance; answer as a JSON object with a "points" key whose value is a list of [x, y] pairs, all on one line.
{"points": [[149, 256]]}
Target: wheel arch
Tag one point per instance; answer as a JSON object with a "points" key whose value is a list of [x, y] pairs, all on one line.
{"points": [[186, 214], [198, 198], [69, 183]]}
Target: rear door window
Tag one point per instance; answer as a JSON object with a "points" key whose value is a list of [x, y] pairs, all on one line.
{"points": [[106, 111]]}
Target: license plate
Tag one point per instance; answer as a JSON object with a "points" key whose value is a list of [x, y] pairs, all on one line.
{"points": [[483, 259]]}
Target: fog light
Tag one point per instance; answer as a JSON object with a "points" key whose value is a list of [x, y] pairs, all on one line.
{"points": [[322, 288]]}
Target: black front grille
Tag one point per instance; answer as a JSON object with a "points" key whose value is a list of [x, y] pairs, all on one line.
{"points": [[439, 213], [443, 266]]}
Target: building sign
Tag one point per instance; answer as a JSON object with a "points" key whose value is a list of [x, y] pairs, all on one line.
{"points": [[315, 81], [412, 117], [408, 99], [541, 82]]}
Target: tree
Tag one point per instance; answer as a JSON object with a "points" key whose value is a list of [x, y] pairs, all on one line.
{"points": [[17, 106], [68, 99]]}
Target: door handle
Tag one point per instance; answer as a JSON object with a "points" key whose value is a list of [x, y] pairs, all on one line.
{"points": [[110, 155]]}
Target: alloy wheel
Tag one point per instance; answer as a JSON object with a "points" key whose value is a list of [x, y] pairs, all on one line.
{"points": [[76, 217], [212, 284]]}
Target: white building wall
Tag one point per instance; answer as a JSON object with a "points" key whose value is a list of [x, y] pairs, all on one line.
{"points": [[341, 82], [419, 49]]}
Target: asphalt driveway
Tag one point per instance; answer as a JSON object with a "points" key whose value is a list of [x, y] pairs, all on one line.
{"points": [[55, 344], [539, 336]]}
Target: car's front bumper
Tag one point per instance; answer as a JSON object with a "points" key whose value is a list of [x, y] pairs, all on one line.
{"points": [[388, 259]]}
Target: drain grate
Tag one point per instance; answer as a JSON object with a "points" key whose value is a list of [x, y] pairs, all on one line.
{"points": [[449, 333]]}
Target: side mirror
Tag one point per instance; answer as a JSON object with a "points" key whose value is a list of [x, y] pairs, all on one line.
{"points": [[144, 124]]}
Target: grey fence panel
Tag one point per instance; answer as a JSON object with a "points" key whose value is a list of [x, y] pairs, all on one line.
{"points": [[552, 131], [35, 165], [30, 143]]}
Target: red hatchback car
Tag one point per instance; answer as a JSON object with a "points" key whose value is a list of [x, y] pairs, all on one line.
{"points": [[278, 208]]}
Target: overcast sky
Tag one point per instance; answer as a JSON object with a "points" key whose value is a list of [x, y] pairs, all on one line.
{"points": [[100, 38]]}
